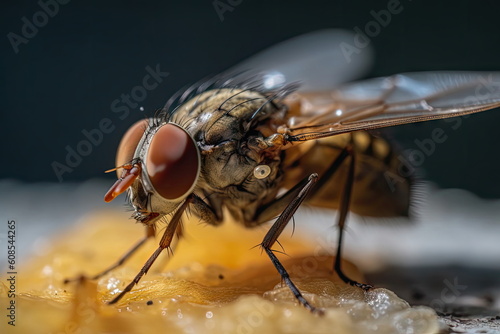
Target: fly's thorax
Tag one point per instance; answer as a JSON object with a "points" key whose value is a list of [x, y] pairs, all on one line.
{"points": [[230, 128], [225, 123], [232, 165], [226, 114]]}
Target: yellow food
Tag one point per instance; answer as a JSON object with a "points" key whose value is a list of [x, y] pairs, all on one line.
{"points": [[215, 283]]}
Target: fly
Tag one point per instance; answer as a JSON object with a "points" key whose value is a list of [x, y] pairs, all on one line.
{"points": [[259, 145]]}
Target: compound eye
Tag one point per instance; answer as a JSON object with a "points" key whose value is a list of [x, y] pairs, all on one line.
{"points": [[129, 143], [172, 162]]}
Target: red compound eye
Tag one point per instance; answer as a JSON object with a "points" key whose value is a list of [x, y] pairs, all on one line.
{"points": [[129, 143], [172, 162]]}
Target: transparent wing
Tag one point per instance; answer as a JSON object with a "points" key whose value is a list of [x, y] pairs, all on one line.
{"points": [[321, 61], [388, 101], [318, 60]]}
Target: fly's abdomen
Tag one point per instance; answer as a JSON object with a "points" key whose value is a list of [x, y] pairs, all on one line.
{"points": [[378, 191]]}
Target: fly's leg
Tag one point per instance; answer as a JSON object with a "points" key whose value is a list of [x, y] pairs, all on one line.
{"points": [[345, 200], [275, 231], [164, 261], [165, 242], [278, 205], [150, 233]]}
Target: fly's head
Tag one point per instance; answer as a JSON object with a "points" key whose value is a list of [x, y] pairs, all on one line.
{"points": [[221, 144], [159, 163]]}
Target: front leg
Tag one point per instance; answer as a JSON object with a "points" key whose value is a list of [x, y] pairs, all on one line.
{"points": [[150, 233], [204, 211], [165, 242]]}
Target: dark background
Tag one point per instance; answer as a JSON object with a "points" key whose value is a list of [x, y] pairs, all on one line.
{"points": [[65, 78]]}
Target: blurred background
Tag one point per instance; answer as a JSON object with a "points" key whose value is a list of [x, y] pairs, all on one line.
{"points": [[63, 78]]}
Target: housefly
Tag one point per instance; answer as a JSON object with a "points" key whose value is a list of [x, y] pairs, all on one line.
{"points": [[289, 130]]}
